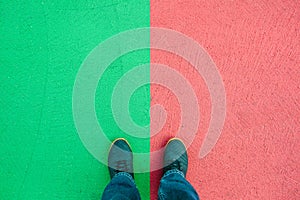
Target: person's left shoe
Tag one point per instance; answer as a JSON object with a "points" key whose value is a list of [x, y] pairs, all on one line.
{"points": [[120, 158]]}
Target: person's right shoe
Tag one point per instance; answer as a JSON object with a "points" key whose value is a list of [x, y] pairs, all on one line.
{"points": [[175, 156]]}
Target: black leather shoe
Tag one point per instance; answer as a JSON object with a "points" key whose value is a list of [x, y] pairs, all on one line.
{"points": [[120, 158], [175, 156]]}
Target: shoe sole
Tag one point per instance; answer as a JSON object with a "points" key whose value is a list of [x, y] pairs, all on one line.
{"points": [[170, 140], [117, 140]]}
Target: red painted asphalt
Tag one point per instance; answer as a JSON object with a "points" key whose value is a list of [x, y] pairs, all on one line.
{"points": [[256, 48]]}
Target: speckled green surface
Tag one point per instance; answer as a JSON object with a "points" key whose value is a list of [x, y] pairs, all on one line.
{"points": [[42, 47]]}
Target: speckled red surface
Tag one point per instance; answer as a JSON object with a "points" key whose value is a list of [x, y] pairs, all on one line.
{"points": [[255, 45]]}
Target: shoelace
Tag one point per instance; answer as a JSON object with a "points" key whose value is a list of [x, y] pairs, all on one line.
{"points": [[175, 164], [122, 166]]}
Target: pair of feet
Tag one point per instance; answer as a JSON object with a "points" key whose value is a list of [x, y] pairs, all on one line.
{"points": [[120, 158]]}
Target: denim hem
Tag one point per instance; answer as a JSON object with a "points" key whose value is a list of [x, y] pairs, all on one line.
{"points": [[126, 175], [173, 171]]}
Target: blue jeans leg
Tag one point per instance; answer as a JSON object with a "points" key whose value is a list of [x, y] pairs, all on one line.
{"points": [[173, 185], [121, 187]]}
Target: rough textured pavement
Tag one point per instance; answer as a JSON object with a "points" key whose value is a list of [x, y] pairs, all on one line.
{"points": [[255, 45]]}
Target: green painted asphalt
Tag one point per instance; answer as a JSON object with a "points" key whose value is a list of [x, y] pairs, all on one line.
{"points": [[42, 46]]}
